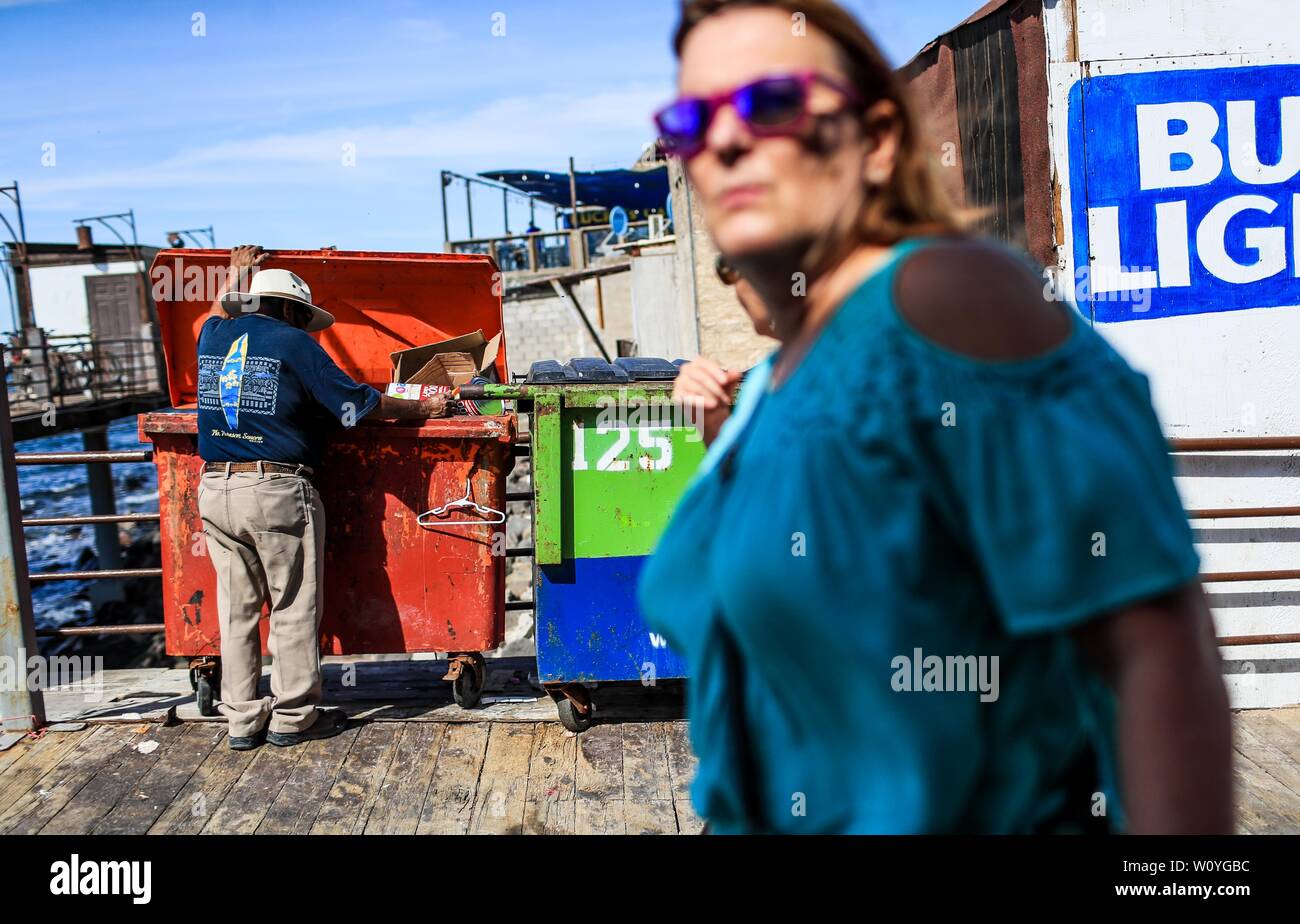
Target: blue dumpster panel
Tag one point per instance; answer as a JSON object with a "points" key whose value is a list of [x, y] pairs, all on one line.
{"points": [[589, 627]]}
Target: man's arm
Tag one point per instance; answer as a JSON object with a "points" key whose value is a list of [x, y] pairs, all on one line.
{"points": [[1175, 732], [243, 260], [391, 408]]}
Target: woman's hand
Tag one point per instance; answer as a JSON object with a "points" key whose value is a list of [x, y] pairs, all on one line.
{"points": [[704, 390]]}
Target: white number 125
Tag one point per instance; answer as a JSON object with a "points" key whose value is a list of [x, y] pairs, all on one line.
{"points": [[646, 439]]}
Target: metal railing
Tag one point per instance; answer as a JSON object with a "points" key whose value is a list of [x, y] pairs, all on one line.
{"points": [[1244, 444], [108, 458], [120, 574], [549, 250], [90, 458], [62, 371]]}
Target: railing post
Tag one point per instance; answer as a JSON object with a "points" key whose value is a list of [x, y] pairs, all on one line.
{"points": [[108, 549], [45, 392], [96, 374], [21, 708]]}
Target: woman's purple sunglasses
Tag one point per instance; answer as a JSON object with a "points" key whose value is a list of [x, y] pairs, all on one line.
{"points": [[772, 105]]}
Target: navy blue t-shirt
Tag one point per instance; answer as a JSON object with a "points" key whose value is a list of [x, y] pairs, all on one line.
{"points": [[268, 392]]}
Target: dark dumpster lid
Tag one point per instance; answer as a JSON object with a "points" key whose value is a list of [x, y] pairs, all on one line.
{"points": [[647, 368], [383, 302], [548, 371], [595, 370]]}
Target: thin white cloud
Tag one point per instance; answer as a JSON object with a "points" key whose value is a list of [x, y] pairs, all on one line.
{"points": [[605, 126], [423, 30]]}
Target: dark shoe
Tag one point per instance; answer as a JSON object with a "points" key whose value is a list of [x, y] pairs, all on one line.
{"points": [[246, 742], [329, 722]]}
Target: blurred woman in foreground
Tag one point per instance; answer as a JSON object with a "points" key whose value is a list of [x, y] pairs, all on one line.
{"points": [[935, 575]]}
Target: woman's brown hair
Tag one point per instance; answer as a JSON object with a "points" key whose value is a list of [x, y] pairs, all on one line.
{"points": [[912, 202]]}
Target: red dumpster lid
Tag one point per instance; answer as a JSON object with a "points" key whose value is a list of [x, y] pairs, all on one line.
{"points": [[382, 302]]}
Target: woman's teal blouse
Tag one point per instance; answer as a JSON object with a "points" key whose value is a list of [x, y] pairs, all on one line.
{"points": [[873, 578]]}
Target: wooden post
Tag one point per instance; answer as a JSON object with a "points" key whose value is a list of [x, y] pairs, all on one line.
{"points": [[21, 709], [446, 226], [469, 208], [577, 250]]}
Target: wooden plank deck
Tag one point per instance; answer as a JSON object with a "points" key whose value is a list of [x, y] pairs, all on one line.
{"points": [[408, 769], [375, 778]]}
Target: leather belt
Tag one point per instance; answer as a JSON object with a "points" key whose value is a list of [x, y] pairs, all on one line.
{"points": [[275, 468]]}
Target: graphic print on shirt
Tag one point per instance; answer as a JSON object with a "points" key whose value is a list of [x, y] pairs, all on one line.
{"points": [[238, 383], [232, 380]]}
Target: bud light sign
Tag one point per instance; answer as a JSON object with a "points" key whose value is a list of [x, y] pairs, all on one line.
{"points": [[1186, 191]]}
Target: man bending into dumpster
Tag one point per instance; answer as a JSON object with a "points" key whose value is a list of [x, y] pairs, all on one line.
{"points": [[269, 395]]}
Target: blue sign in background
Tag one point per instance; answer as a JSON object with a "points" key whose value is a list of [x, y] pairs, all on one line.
{"points": [[1104, 172]]}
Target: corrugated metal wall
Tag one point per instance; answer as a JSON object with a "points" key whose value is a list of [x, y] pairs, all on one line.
{"points": [[982, 87], [986, 80]]}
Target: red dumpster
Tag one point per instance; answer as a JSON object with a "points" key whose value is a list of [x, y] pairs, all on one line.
{"points": [[392, 585]]}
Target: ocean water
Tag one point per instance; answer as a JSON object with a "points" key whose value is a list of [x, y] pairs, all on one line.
{"points": [[60, 490]]}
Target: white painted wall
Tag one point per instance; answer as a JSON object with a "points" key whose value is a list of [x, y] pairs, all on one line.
{"points": [[662, 323], [1230, 373], [1135, 29], [59, 295]]}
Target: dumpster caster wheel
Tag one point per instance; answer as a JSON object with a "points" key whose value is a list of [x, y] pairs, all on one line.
{"points": [[467, 685], [571, 718], [204, 696], [205, 678]]}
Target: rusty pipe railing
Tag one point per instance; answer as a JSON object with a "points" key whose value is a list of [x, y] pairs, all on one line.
{"points": [[1286, 638], [1234, 443], [114, 574], [83, 457], [93, 518], [107, 574], [1242, 444], [144, 628], [1226, 513], [1221, 577]]}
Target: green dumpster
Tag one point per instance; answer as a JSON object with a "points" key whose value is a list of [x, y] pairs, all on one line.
{"points": [[610, 460]]}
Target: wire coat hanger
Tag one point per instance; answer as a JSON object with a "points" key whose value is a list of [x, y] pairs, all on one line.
{"points": [[461, 503]]}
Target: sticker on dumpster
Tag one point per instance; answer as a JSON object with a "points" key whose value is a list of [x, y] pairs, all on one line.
{"points": [[1185, 187]]}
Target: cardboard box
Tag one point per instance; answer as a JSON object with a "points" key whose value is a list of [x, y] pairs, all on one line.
{"points": [[448, 362]]}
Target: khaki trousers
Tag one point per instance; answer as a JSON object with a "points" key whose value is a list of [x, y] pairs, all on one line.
{"points": [[266, 537]]}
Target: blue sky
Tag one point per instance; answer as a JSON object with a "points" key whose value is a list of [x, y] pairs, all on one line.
{"points": [[244, 127]]}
